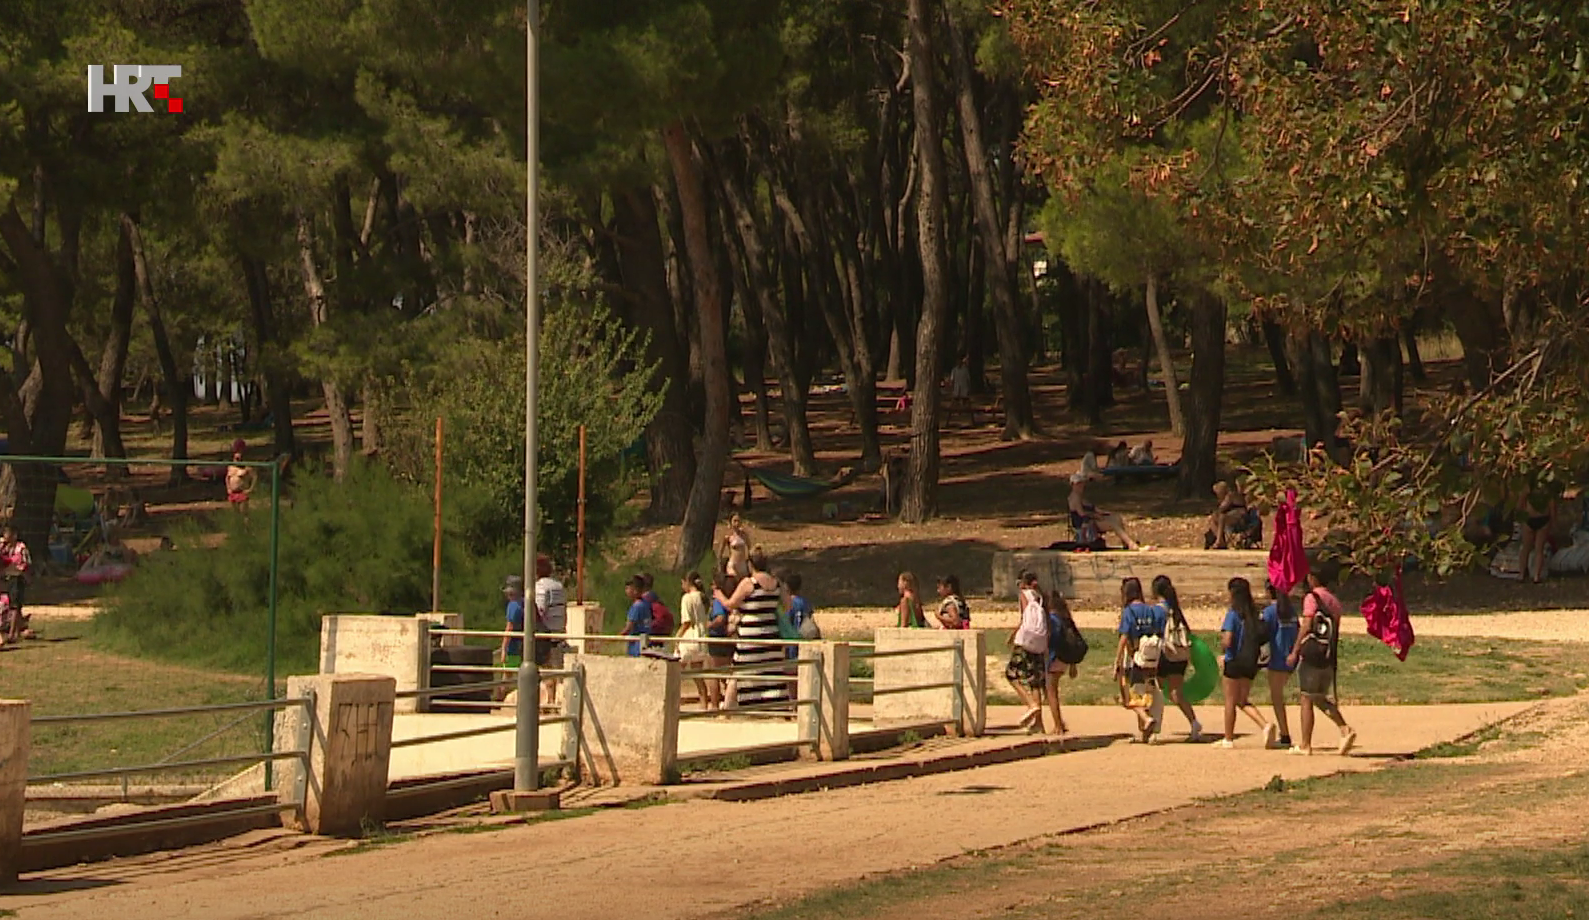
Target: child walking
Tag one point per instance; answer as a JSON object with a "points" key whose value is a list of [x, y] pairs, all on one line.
{"points": [[1315, 658], [1027, 670], [1241, 635]]}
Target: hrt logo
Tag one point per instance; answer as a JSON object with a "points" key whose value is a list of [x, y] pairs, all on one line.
{"points": [[131, 80]]}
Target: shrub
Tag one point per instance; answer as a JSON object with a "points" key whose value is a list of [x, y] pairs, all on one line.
{"points": [[359, 546]]}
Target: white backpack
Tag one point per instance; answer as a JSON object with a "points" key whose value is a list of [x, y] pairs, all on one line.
{"points": [[1177, 644]]}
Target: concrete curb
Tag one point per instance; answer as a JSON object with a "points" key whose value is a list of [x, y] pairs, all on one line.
{"points": [[861, 774]]}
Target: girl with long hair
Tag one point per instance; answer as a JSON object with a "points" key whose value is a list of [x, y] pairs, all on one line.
{"points": [[1137, 660], [1172, 672], [1240, 634], [1281, 619]]}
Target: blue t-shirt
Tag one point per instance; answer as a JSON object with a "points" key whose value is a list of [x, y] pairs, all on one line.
{"points": [[1138, 620], [799, 609], [1282, 637], [639, 624], [516, 624], [1232, 625]]}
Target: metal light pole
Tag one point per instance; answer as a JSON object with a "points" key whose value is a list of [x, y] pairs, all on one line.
{"points": [[526, 754]]}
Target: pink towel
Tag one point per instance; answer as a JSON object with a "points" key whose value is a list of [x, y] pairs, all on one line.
{"points": [[1388, 618], [1288, 564]]}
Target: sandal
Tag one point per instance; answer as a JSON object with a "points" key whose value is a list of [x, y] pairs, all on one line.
{"points": [[1031, 716]]}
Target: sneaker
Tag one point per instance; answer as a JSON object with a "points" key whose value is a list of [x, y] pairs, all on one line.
{"points": [[1302, 751], [1150, 734], [1271, 735], [1224, 744], [1285, 741], [1347, 741], [1196, 734]]}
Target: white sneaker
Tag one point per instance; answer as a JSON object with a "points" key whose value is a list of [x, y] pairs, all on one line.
{"points": [[1347, 741], [1224, 744], [1300, 751], [1196, 734], [1271, 735]]}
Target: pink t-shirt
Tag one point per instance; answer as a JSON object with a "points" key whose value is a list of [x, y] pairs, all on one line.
{"points": [[1317, 596]]}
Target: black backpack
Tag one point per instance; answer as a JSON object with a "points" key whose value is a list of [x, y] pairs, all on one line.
{"points": [[1065, 641], [1319, 644], [1254, 640]]}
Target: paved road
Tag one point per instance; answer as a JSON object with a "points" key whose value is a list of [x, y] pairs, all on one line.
{"points": [[696, 858]]}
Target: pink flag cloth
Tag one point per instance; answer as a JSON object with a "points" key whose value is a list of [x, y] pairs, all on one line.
{"points": [[1288, 563], [1388, 618]]}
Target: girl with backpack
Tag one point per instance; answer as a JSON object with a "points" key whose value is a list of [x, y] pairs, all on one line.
{"points": [[1027, 671], [1137, 659], [1243, 636], [1176, 652], [1315, 657], [1066, 649], [1280, 617]]}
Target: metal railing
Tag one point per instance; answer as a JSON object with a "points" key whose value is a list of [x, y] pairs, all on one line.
{"points": [[167, 764], [573, 697]]}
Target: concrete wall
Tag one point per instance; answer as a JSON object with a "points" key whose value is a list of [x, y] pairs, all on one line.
{"points": [[396, 647], [937, 704], [15, 743], [349, 734], [1094, 578], [630, 731], [443, 621], [585, 620]]}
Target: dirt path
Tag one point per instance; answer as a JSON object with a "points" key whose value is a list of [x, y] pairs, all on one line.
{"points": [[1416, 827], [606, 865]]}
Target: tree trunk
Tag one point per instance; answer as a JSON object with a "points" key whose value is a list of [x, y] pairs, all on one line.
{"points": [[113, 360], [670, 453], [700, 515], [178, 376], [1351, 361], [973, 346], [1200, 456], [278, 394], [1100, 354], [919, 500], [752, 243], [1381, 385], [370, 420], [319, 312], [1019, 422], [1409, 337], [1161, 344], [1274, 338], [1318, 387]]}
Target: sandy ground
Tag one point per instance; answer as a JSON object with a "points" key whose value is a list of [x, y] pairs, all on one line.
{"points": [[605, 865]]}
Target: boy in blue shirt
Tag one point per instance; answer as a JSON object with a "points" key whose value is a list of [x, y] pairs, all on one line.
{"points": [[799, 610], [638, 621], [512, 650]]}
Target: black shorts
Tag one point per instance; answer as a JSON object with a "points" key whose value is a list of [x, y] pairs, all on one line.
{"points": [[1235, 671], [1136, 675], [1168, 668], [1538, 522], [543, 651]]}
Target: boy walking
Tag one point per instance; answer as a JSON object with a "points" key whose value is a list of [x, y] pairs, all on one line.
{"points": [[1315, 657]]}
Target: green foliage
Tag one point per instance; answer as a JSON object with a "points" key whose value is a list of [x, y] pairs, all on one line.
{"points": [[359, 546], [592, 373]]}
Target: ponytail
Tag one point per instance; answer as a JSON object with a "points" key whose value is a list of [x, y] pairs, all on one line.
{"points": [[1166, 590]]}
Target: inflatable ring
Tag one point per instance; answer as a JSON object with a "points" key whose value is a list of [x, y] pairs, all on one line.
{"points": [[1204, 678]]}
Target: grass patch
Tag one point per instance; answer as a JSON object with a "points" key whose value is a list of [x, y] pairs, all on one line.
{"points": [[730, 764], [69, 675], [870, 897], [1514, 884], [1462, 747], [1439, 670]]}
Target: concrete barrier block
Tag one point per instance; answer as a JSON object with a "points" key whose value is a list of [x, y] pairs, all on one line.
{"points": [[1095, 577], [585, 619], [15, 743], [974, 681], [630, 724], [833, 743], [349, 733], [893, 702], [397, 647], [443, 621]]}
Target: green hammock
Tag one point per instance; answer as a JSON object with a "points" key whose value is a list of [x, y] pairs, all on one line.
{"points": [[784, 485]]}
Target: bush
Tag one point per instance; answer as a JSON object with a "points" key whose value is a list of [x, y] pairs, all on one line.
{"points": [[359, 546]]}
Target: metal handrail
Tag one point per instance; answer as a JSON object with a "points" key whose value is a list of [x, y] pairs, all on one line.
{"points": [[751, 707], [942, 685], [453, 736], [261, 706], [427, 692], [167, 767], [671, 640]]}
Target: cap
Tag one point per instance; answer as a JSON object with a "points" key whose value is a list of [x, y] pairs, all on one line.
{"points": [[513, 583]]}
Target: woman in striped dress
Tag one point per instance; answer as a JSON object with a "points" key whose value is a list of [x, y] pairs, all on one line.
{"points": [[753, 614]]}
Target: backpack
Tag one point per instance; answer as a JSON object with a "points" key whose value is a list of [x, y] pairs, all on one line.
{"points": [[1177, 644], [1065, 641], [1318, 646], [661, 619], [1150, 644], [1251, 653]]}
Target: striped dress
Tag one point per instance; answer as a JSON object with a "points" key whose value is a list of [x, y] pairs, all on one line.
{"points": [[758, 619]]}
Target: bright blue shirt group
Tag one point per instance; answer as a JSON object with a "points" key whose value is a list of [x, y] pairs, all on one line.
{"points": [[1282, 636]]}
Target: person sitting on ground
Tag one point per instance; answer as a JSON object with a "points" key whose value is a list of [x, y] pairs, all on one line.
{"points": [[1120, 455], [1083, 513], [953, 612], [909, 606], [1229, 516], [1142, 455]]}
